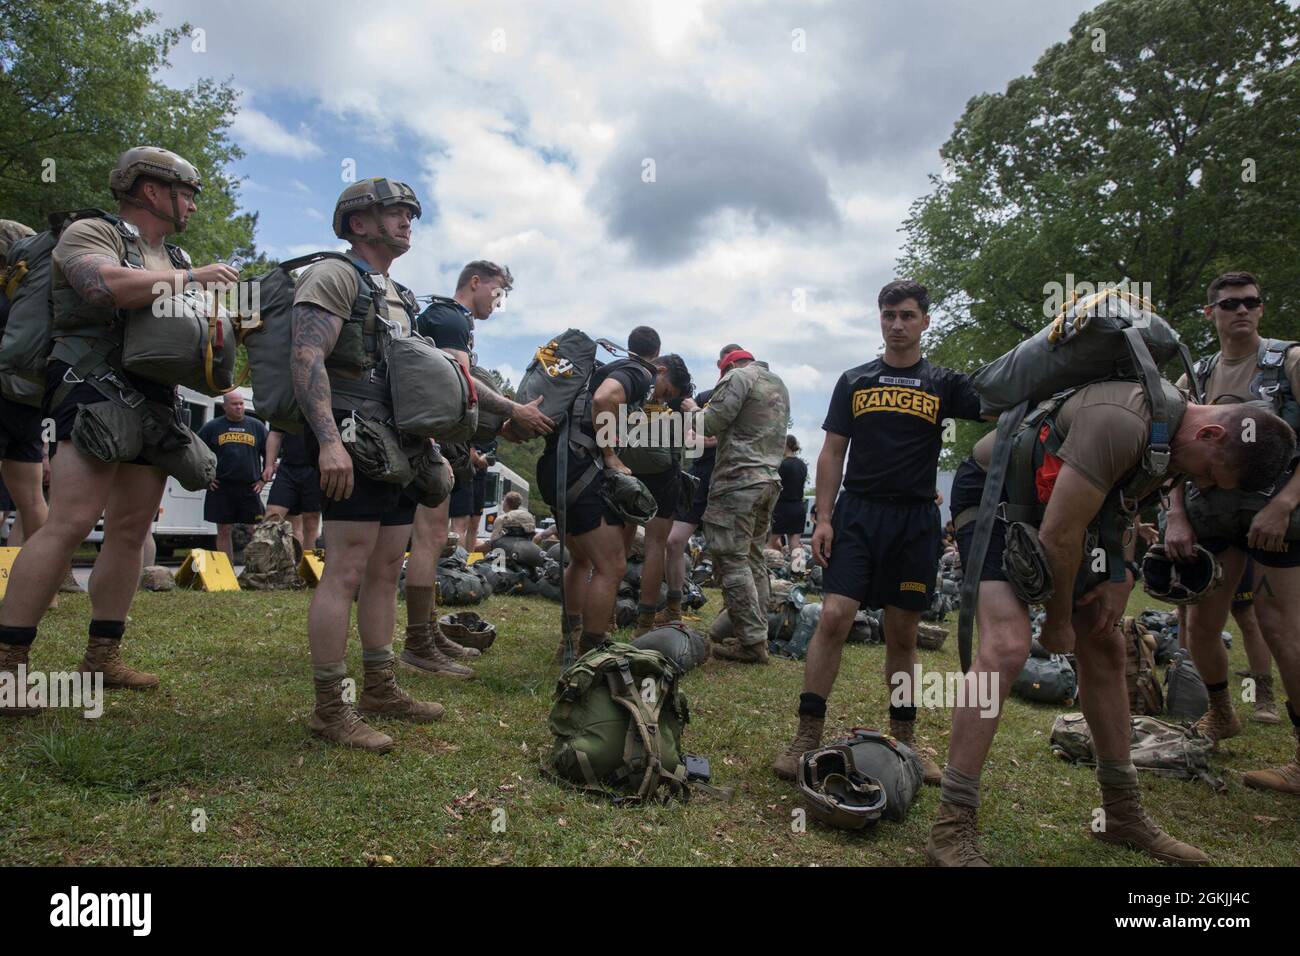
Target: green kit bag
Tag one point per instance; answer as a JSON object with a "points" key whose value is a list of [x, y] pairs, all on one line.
{"points": [[182, 340], [618, 719], [433, 397], [194, 466], [1155, 745], [377, 450], [489, 423]]}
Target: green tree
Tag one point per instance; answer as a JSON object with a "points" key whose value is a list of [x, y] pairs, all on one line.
{"points": [[80, 84], [1158, 144]]}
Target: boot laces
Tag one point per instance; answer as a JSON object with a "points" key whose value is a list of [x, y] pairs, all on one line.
{"points": [[968, 835]]}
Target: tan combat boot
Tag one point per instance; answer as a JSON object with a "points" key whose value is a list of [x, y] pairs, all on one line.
{"points": [[13, 656], [1126, 824], [1284, 779], [449, 647], [1265, 702], [672, 612], [419, 653], [104, 655], [335, 720], [70, 585], [567, 652], [905, 731], [954, 838], [808, 736], [1219, 722], [732, 650], [381, 697], [645, 623]]}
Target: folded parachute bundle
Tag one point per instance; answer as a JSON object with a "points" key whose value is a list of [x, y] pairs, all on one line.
{"points": [[1049, 680], [1155, 745], [458, 585], [868, 627], [853, 783], [805, 626], [684, 646], [1163, 626]]}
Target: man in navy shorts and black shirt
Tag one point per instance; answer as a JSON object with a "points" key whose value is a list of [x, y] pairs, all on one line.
{"points": [[295, 485], [880, 542]]}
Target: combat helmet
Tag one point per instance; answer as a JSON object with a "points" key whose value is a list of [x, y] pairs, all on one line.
{"points": [[1180, 582], [157, 163], [378, 191], [836, 792]]}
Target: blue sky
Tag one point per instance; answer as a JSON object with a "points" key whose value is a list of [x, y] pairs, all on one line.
{"points": [[788, 141]]}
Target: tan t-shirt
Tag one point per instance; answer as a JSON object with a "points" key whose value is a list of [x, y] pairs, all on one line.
{"points": [[332, 284], [1106, 428], [1229, 382], [97, 237]]}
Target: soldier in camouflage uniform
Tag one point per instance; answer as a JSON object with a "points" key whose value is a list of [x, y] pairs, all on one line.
{"points": [[747, 413]]}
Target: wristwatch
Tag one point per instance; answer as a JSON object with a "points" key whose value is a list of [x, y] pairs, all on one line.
{"points": [[1136, 569]]}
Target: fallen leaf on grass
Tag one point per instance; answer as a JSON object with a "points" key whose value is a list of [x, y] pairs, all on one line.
{"points": [[1263, 819], [377, 859]]}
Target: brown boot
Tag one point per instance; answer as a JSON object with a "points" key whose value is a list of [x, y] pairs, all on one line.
{"points": [[335, 720], [104, 655], [1284, 779], [954, 838], [1265, 703], [70, 585], [905, 731], [449, 647], [1220, 721], [808, 736], [12, 657], [732, 650], [645, 623], [672, 612], [419, 653], [1126, 824], [381, 697]]}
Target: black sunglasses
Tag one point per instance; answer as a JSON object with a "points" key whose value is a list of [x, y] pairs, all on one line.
{"points": [[1250, 302]]}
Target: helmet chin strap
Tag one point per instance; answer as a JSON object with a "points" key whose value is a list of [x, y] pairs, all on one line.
{"points": [[175, 218]]}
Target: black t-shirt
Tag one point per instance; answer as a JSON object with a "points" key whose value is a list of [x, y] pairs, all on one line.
{"points": [[637, 382], [449, 324], [794, 473], [893, 418], [239, 447], [293, 450]]}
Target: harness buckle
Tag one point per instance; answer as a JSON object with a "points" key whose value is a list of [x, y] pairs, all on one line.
{"points": [[1156, 460]]}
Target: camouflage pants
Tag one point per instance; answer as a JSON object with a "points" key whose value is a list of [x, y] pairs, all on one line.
{"points": [[736, 528]]}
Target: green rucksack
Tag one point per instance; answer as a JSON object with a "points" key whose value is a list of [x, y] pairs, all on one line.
{"points": [[28, 279], [650, 456], [433, 395], [618, 720]]}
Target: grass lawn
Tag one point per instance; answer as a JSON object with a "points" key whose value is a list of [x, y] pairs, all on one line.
{"points": [[225, 735]]}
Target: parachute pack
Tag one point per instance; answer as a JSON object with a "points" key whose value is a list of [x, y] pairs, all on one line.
{"points": [[28, 282], [1112, 335]]}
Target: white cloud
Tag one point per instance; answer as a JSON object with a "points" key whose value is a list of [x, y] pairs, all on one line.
{"points": [[256, 131], [864, 108]]}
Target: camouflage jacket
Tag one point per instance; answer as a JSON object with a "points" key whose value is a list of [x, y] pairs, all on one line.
{"points": [[747, 413]]}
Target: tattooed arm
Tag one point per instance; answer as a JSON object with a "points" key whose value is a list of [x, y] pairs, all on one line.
{"points": [[103, 281], [314, 333]]}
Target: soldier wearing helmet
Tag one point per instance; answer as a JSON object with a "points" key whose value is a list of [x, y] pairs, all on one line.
{"points": [[343, 313], [104, 269]]}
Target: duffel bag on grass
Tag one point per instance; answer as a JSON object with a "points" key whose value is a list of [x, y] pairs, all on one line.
{"points": [[684, 646]]}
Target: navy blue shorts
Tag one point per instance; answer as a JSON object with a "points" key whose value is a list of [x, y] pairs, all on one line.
{"points": [[884, 553], [20, 432], [461, 503], [296, 488], [232, 503], [589, 510], [667, 490]]}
